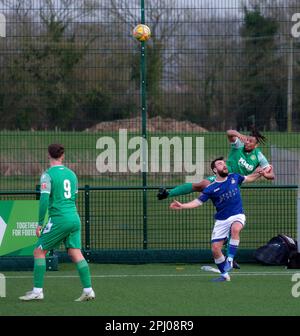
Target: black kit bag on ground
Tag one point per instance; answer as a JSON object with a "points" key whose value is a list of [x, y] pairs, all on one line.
{"points": [[294, 260], [277, 251]]}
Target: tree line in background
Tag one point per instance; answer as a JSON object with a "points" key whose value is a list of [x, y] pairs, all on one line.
{"points": [[71, 67]]}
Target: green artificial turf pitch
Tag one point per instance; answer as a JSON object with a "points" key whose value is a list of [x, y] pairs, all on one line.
{"points": [[157, 290]]}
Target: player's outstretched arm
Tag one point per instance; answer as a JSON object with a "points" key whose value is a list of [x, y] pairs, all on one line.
{"points": [[253, 177], [233, 135], [182, 189], [175, 205]]}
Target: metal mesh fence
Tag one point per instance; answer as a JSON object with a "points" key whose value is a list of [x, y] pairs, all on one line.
{"points": [[70, 72], [119, 225], [115, 219], [212, 65]]}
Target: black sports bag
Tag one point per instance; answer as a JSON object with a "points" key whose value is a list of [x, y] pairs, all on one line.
{"points": [[277, 251]]}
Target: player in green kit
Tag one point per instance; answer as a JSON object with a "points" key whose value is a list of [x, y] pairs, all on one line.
{"points": [[59, 188]]}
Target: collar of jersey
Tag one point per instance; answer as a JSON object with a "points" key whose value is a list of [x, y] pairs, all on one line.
{"points": [[57, 166], [252, 152], [222, 181]]}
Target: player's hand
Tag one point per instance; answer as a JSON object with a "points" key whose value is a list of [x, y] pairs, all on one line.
{"points": [[175, 205], [259, 171], [38, 231], [266, 174], [269, 173], [243, 138], [162, 194]]}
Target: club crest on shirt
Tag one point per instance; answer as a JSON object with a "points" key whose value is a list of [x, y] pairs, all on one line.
{"points": [[232, 181], [252, 157]]}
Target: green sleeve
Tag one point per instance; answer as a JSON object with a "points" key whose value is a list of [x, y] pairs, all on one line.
{"points": [[263, 162], [211, 178], [44, 202]]}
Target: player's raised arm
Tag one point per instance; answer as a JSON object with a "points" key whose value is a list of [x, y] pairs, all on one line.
{"points": [[233, 135], [175, 205], [268, 171]]}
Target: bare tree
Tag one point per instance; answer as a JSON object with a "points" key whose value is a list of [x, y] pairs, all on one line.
{"points": [[42, 74]]}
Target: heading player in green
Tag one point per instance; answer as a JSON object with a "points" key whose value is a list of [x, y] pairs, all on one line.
{"points": [[59, 188], [244, 158]]}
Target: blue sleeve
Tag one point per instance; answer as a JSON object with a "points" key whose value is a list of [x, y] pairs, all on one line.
{"points": [[203, 197], [240, 178]]}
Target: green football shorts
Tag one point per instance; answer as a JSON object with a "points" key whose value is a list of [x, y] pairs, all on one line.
{"points": [[59, 230]]}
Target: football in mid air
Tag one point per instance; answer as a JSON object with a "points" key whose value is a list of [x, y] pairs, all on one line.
{"points": [[141, 32]]}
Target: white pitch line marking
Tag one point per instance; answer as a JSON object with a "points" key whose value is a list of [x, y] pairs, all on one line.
{"points": [[153, 275]]}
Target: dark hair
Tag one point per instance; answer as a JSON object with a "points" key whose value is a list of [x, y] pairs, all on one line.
{"points": [[212, 165], [258, 136], [56, 151]]}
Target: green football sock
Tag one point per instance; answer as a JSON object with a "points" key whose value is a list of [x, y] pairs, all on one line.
{"points": [[39, 272], [182, 189], [84, 273]]}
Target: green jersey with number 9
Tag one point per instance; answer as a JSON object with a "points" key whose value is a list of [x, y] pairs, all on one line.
{"points": [[62, 185]]}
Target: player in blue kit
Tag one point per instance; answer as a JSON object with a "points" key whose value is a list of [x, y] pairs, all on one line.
{"points": [[230, 218]]}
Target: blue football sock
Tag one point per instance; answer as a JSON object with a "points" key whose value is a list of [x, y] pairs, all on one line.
{"points": [[233, 247], [221, 262]]}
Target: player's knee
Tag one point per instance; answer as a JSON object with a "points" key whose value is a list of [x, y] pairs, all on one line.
{"points": [[235, 233], [39, 253], [235, 230], [216, 250], [72, 252], [75, 254]]}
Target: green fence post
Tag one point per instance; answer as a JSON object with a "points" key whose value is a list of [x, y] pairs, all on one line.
{"points": [[87, 221], [144, 129]]}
